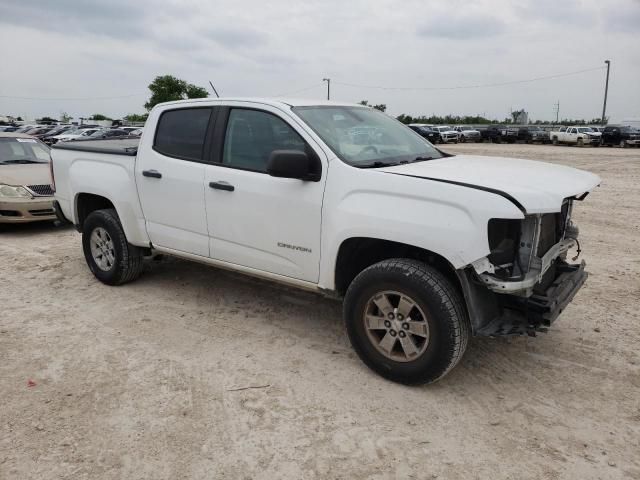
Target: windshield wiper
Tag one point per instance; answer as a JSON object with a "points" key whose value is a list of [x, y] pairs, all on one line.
{"points": [[378, 164], [24, 160], [421, 159]]}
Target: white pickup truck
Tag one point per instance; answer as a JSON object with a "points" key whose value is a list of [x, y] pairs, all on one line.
{"points": [[426, 249], [576, 135]]}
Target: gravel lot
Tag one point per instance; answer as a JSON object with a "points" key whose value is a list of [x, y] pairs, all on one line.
{"points": [[149, 380]]}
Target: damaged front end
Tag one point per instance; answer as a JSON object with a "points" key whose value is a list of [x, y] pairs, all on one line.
{"points": [[526, 281]]}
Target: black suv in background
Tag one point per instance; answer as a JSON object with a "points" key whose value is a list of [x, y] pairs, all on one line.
{"points": [[426, 131], [500, 133], [532, 134], [620, 135]]}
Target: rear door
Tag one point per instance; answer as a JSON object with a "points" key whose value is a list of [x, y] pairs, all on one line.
{"points": [[256, 220], [170, 177]]}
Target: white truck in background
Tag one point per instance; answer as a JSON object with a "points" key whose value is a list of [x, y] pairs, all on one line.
{"points": [[426, 249], [576, 135]]}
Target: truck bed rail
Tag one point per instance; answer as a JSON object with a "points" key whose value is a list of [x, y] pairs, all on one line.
{"points": [[109, 146]]}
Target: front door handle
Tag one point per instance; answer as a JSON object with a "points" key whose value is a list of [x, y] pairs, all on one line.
{"points": [[222, 186], [151, 173]]}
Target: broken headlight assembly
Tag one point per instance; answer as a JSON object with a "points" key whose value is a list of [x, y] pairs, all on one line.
{"points": [[523, 251]]}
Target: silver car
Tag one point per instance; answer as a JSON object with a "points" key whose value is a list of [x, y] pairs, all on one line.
{"points": [[26, 194]]}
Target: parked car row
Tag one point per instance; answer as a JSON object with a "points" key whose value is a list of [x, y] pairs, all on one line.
{"points": [[579, 135], [51, 134]]}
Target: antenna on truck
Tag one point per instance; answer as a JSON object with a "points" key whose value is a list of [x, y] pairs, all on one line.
{"points": [[214, 89]]}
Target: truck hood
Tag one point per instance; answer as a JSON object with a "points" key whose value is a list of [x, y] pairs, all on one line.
{"points": [[535, 187], [29, 174]]}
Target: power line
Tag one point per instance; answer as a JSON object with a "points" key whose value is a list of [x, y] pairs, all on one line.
{"points": [[74, 98], [461, 87]]}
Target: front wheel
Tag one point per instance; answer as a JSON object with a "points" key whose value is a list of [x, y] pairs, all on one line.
{"points": [[108, 254], [623, 144], [406, 321]]}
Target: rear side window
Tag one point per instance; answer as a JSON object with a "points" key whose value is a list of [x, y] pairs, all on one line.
{"points": [[181, 133]]}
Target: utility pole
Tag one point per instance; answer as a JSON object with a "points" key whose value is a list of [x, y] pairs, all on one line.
{"points": [[328, 80], [557, 105], [606, 90]]}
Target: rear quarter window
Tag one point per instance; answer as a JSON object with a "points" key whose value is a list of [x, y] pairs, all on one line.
{"points": [[181, 133]]}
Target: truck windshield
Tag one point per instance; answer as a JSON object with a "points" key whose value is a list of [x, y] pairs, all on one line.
{"points": [[364, 137]]}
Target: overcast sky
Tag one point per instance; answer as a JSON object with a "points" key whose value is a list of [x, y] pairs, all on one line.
{"points": [[73, 53]]}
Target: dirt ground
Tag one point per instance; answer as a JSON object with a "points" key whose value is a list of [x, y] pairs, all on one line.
{"points": [[149, 380]]}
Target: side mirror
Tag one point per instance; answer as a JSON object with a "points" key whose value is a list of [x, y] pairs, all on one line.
{"points": [[293, 164]]}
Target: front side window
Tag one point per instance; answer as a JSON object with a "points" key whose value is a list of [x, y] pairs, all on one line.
{"points": [[251, 137], [364, 137], [181, 133]]}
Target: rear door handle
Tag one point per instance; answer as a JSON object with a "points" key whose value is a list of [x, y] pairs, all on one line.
{"points": [[151, 173], [222, 186]]}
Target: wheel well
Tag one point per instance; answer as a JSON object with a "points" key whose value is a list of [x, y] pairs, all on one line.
{"points": [[87, 203], [356, 254]]}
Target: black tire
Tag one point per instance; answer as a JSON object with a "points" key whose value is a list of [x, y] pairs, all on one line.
{"points": [[449, 328], [128, 258], [554, 140]]}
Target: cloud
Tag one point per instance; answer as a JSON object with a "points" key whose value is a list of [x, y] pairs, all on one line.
{"points": [[112, 18], [623, 21], [462, 27], [100, 48], [235, 37]]}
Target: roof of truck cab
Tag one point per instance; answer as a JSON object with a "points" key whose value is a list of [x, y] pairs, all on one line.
{"points": [[276, 102]]}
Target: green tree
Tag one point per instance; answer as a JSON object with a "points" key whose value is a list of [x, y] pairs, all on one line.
{"points": [[194, 91], [381, 106], [65, 117], [45, 120], [136, 117], [99, 116], [167, 88]]}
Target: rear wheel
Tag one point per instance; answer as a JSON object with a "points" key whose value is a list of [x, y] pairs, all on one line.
{"points": [[406, 321], [462, 139], [623, 144], [555, 140], [108, 254]]}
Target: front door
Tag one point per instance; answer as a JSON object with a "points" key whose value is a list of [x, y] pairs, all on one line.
{"points": [[170, 172], [256, 220]]}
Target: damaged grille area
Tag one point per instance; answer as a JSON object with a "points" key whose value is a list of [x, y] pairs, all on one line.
{"points": [[525, 253]]}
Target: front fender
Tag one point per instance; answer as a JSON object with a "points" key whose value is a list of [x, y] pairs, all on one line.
{"points": [[446, 219]]}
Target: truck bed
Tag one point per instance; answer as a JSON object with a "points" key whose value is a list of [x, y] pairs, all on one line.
{"points": [[109, 146]]}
